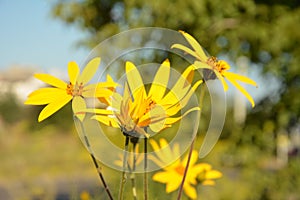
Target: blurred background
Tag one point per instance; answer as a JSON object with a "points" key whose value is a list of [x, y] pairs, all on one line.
{"points": [[258, 151]]}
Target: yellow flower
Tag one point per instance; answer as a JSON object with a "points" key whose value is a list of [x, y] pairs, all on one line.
{"points": [[172, 174], [61, 93], [206, 175], [136, 110], [219, 67]]}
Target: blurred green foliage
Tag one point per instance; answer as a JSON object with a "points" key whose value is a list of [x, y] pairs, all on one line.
{"points": [[265, 31], [9, 103]]}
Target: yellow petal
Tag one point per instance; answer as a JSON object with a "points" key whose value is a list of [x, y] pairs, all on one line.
{"points": [[201, 65], [99, 111], [156, 160], [160, 82], [171, 178], [166, 151], [54, 106], [198, 168], [134, 78], [73, 71], [221, 78], [174, 182], [242, 90], [154, 145], [240, 78], [171, 120], [89, 71], [157, 150], [44, 96], [140, 105], [101, 92], [101, 85], [176, 150], [193, 160], [51, 80], [196, 46], [213, 174], [190, 191], [157, 116], [184, 101], [208, 182], [185, 49], [79, 105], [108, 121], [180, 88]]}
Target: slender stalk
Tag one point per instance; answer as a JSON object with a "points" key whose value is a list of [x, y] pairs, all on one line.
{"points": [[123, 178], [145, 169], [98, 168], [132, 175], [202, 92]]}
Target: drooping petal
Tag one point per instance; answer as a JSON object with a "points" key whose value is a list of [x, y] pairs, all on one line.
{"points": [[243, 91], [196, 46], [73, 71], [89, 71], [54, 106], [240, 78], [160, 82], [221, 78], [44, 96], [172, 120], [134, 78], [141, 131], [51, 80], [78, 106]]}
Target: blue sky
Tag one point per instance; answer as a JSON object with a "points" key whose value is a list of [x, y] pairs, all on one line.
{"points": [[29, 36]]}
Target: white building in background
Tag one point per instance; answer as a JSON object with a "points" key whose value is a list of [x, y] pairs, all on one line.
{"points": [[18, 80]]}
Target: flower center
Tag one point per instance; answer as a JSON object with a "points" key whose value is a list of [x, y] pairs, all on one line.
{"points": [[149, 104], [222, 66], [74, 90], [180, 169], [218, 65]]}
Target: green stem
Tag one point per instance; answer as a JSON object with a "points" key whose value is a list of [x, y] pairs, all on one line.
{"points": [[145, 169], [99, 170], [202, 92], [123, 178]]}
